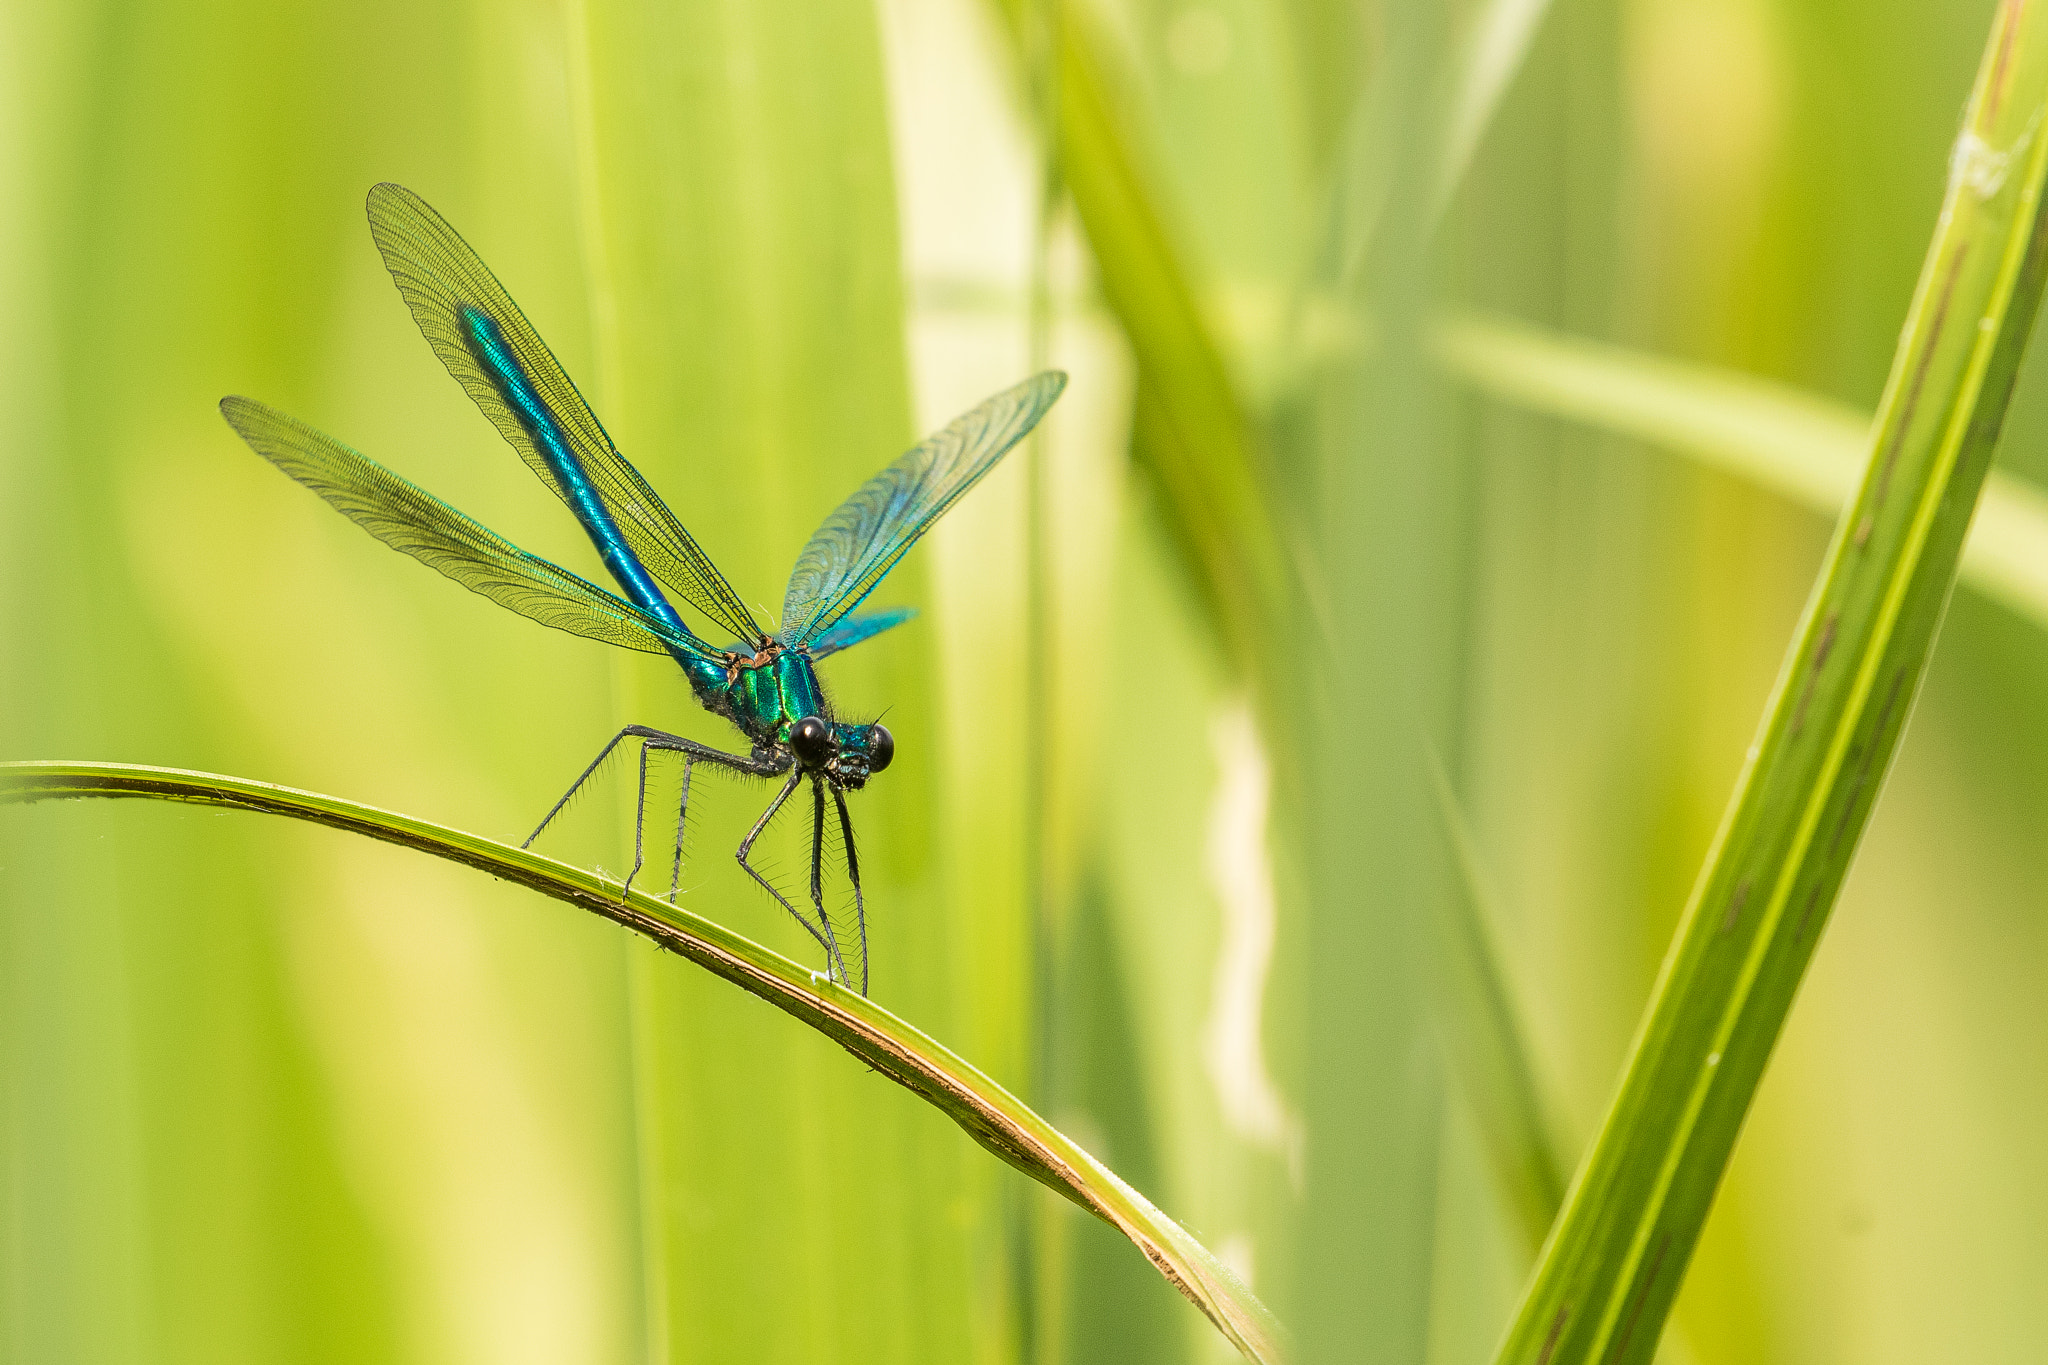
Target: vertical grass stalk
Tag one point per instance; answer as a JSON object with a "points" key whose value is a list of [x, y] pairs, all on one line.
{"points": [[1613, 1265]]}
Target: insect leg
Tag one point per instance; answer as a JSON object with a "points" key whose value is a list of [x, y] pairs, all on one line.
{"points": [[662, 742], [860, 910], [747, 846], [577, 785], [675, 872], [818, 875], [639, 822], [660, 739]]}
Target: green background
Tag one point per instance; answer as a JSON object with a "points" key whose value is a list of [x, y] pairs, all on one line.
{"points": [[270, 1093]]}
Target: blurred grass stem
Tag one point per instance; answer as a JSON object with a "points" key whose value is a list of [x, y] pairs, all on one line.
{"points": [[1806, 449], [1614, 1263]]}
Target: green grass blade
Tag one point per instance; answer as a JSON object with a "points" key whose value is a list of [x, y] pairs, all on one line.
{"points": [[1802, 447], [1491, 53], [1480, 1027], [1191, 434], [991, 1115], [1388, 499], [1614, 1263], [1483, 63]]}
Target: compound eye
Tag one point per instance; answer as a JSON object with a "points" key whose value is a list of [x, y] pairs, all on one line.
{"points": [[881, 748], [810, 739]]}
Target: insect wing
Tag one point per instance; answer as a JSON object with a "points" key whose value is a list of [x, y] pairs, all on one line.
{"points": [[870, 531], [444, 282], [851, 629], [409, 519]]}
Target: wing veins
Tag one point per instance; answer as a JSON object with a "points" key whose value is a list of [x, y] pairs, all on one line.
{"points": [[414, 522], [874, 528], [437, 273]]}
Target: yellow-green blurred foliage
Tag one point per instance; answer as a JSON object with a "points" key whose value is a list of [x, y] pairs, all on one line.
{"points": [[271, 1093]]}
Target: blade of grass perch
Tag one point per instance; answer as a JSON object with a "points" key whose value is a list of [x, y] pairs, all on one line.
{"points": [[1800, 446], [1614, 1262], [1190, 431], [991, 1115]]}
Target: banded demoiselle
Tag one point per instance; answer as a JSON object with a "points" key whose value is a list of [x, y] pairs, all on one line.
{"points": [[764, 682]]}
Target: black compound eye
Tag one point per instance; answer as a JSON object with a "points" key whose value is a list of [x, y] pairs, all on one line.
{"points": [[881, 748], [810, 739]]}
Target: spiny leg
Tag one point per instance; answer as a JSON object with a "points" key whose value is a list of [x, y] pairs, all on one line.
{"points": [[675, 872], [639, 822], [664, 742], [691, 751], [818, 874], [860, 910], [747, 846], [577, 785]]}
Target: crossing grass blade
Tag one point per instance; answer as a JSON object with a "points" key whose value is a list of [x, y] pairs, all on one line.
{"points": [[1491, 52], [990, 1115], [1190, 432], [1614, 1263], [1483, 61], [1803, 447]]}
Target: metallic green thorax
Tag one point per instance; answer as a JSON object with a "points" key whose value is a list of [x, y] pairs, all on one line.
{"points": [[767, 693], [764, 694]]}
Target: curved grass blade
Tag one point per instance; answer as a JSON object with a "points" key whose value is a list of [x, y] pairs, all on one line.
{"points": [[990, 1115], [1803, 447], [1615, 1260]]}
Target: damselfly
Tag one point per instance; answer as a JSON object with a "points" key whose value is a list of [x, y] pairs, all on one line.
{"points": [[764, 682]]}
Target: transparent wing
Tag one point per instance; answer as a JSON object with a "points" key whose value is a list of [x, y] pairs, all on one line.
{"points": [[851, 629], [874, 528], [441, 279], [410, 519]]}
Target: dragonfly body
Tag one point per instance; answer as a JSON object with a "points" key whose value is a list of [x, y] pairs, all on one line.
{"points": [[517, 388], [766, 683], [759, 686], [763, 688]]}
